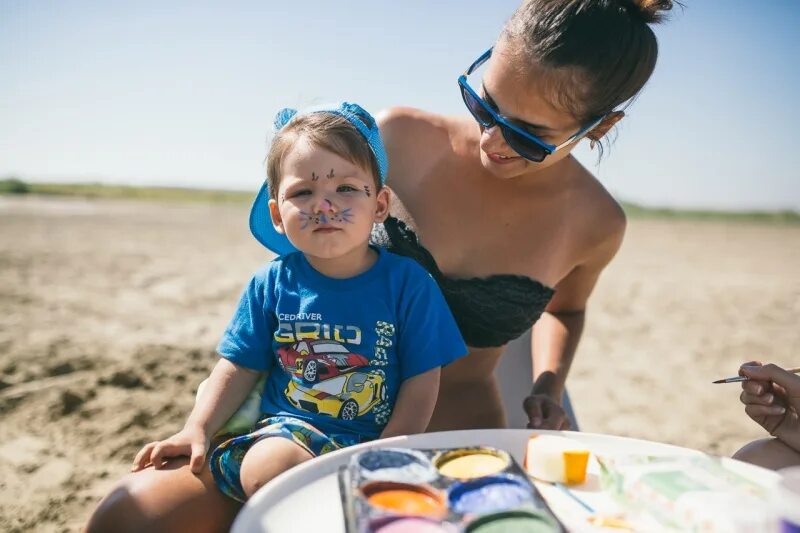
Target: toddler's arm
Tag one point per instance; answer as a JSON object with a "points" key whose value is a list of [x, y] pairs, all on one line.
{"points": [[225, 389], [414, 406]]}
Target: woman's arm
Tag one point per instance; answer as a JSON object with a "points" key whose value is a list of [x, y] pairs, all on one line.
{"points": [[553, 345], [224, 391], [414, 406], [556, 334]]}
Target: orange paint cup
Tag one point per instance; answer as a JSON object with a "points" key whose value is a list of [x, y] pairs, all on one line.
{"points": [[405, 499]]}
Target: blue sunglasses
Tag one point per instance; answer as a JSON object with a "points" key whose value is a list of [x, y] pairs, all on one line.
{"points": [[525, 144]]}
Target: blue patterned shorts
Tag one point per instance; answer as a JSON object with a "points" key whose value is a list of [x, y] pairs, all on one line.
{"points": [[226, 459]]}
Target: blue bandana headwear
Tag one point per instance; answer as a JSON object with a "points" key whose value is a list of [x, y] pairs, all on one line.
{"points": [[260, 221]]}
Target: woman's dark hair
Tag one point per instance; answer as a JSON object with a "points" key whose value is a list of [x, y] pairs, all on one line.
{"points": [[602, 52]]}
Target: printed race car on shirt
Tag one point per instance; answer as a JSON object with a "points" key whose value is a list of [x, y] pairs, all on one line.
{"points": [[346, 396], [318, 360]]}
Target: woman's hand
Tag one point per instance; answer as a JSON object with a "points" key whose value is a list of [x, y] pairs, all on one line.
{"points": [[191, 442], [545, 412], [772, 399]]}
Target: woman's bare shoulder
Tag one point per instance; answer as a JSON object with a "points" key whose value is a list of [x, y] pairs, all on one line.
{"points": [[403, 119], [603, 220], [415, 140], [404, 128]]}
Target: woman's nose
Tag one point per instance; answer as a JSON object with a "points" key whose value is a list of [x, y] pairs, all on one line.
{"points": [[492, 139]]}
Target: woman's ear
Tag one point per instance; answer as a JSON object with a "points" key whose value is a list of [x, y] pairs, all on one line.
{"points": [[383, 199], [599, 131], [275, 215]]}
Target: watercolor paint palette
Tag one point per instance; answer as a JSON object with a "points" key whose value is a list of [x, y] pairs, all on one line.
{"points": [[475, 490]]}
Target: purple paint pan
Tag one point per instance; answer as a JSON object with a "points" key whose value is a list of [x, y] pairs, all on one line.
{"points": [[489, 494], [409, 524]]}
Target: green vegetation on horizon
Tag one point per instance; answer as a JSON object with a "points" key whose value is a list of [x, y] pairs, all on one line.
{"points": [[99, 190], [179, 194], [785, 216]]}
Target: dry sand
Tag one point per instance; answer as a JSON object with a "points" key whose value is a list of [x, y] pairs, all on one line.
{"points": [[110, 310]]}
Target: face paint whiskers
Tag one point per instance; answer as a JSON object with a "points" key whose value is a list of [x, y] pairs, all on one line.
{"points": [[345, 217]]}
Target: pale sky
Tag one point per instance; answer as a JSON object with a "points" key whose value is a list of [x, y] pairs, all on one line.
{"points": [[183, 93]]}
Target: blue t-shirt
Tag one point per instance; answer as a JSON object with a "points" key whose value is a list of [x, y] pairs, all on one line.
{"points": [[338, 349]]}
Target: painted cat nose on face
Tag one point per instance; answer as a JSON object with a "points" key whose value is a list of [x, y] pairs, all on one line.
{"points": [[324, 206]]}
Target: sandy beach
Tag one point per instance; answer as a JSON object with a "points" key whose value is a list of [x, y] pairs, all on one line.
{"points": [[110, 311]]}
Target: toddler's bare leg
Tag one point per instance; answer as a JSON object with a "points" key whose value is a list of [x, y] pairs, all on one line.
{"points": [[266, 459]]}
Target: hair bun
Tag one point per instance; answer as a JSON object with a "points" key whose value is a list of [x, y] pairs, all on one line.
{"points": [[650, 11]]}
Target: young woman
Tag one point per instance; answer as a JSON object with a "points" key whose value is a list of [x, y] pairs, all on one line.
{"points": [[512, 227]]}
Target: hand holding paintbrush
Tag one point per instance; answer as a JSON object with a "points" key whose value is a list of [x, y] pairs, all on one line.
{"points": [[741, 377], [771, 396]]}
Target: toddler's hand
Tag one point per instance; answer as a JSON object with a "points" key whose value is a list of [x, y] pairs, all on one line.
{"points": [[190, 441], [772, 399]]}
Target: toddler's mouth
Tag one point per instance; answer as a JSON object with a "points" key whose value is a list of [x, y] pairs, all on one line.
{"points": [[326, 229]]}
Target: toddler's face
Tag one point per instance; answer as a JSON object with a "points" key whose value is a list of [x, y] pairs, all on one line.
{"points": [[325, 204]]}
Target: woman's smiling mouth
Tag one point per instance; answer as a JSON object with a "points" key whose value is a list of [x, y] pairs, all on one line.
{"points": [[501, 159]]}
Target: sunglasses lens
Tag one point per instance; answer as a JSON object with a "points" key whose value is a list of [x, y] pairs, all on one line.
{"points": [[519, 143], [523, 146], [477, 109]]}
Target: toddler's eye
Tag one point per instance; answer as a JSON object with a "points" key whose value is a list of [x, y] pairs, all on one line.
{"points": [[301, 192], [346, 188]]}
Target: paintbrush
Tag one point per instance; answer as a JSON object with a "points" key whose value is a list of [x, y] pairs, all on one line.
{"points": [[737, 379]]}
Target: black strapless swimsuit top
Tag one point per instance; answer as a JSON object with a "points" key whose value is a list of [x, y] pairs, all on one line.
{"points": [[489, 311]]}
